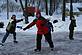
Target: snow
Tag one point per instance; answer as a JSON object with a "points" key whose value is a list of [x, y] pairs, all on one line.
{"points": [[63, 46], [75, 6]]}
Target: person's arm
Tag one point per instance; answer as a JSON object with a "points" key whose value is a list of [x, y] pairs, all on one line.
{"points": [[75, 24], [19, 20], [51, 26], [30, 25]]}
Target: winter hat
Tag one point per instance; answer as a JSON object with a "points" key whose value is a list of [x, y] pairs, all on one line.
{"points": [[73, 18], [37, 11], [14, 15]]}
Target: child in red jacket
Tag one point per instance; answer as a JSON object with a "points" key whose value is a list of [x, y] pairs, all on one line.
{"points": [[42, 30]]}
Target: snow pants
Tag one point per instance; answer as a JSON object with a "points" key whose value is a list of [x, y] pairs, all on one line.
{"points": [[47, 37]]}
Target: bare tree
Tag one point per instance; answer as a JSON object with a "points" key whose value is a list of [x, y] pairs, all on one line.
{"points": [[71, 9], [52, 7], [23, 8], [7, 9], [25, 3], [63, 12], [46, 6], [50, 11]]}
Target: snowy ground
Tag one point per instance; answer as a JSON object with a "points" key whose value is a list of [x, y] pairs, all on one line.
{"points": [[63, 46]]}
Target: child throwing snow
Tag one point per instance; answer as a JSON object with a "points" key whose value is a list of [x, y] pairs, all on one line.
{"points": [[10, 29]]}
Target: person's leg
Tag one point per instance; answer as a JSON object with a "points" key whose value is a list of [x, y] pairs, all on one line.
{"points": [[5, 37], [38, 42], [49, 39], [14, 37], [71, 34]]}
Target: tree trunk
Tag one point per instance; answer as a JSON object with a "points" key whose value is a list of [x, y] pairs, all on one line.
{"points": [[71, 9], [52, 7], [50, 11], [24, 12], [46, 6], [25, 3], [63, 12], [7, 9], [21, 5]]}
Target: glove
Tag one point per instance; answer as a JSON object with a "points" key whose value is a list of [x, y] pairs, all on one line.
{"points": [[21, 19], [55, 21], [24, 29], [52, 30]]}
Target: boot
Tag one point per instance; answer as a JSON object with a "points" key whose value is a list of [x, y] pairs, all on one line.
{"points": [[37, 50], [15, 41], [1, 44]]}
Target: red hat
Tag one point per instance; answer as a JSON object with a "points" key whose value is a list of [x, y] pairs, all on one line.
{"points": [[37, 11]]}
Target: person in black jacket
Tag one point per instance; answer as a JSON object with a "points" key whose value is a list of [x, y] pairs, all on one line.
{"points": [[10, 29], [71, 28], [50, 27]]}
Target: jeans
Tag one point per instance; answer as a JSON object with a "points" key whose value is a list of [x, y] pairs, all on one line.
{"points": [[7, 34]]}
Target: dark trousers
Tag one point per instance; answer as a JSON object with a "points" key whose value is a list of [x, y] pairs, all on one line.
{"points": [[71, 34], [47, 37], [7, 34]]}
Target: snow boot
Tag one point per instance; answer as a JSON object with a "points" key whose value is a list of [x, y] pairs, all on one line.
{"points": [[1, 44], [37, 50], [71, 38], [15, 41], [52, 49]]}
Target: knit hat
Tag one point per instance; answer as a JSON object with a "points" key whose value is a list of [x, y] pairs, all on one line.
{"points": [[73, 18], [37, 11]]}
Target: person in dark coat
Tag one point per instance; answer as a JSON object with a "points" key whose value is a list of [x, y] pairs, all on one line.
{"points": [[42, 30], [71, 28], [50, 26], [10, 29]]}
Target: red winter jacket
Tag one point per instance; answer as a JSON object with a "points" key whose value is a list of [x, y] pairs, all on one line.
{"points": [[40, 24]]}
